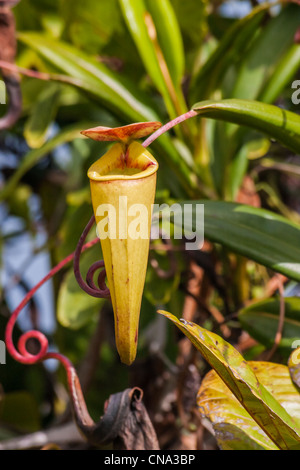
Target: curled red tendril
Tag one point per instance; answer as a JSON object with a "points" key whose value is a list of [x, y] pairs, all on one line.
{"points": [[21, 354]]}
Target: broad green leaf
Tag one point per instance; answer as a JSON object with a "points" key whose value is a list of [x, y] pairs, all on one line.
{"points": [[66, 135], [266, 51], [258, 234], [74, 307], [268, 413], [169, 37], [234, 427], [277, 380], [276, 122], [41, 116], [261, 319]]}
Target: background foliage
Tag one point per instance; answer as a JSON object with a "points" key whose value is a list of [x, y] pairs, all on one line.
{"points": [[113, 62]]}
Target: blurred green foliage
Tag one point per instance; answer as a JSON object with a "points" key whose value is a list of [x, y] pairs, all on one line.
{"points": [[114, 62]]}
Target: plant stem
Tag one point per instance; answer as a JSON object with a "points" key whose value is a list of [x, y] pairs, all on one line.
{"points": [[169, 126], [39, 75]]}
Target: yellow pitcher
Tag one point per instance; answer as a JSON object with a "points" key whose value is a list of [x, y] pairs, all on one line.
{"points": [[123, 183]]}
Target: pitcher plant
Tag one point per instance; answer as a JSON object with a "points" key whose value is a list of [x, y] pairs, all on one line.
{"points": [[123, 184]]}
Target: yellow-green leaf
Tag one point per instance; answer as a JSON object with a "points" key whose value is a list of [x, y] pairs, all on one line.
{"points": [[234, 427], [268, 413]]}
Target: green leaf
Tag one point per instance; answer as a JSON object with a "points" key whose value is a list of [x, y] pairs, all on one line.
{"points": [[41, 116], [237, 170], [243, 383], [218, 145], [261, 319], [191, 17], [276, 122], [135, 16], [93, 77], [231, 145], [74, 307], [235, 429], [258, 234], [119, 95], [229, 49], [169, 37], [255, 146], [266, 69], [68, 134], [266, 51], [283, 75]]}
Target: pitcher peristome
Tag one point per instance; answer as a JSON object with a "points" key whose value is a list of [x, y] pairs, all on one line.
{"points": [[127, 172]]}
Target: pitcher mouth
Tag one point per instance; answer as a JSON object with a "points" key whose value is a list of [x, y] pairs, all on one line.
{"points": [[123, 162]]}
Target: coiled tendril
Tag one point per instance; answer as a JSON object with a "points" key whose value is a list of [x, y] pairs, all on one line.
{"points": [[89, 286], [21, 353]]}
